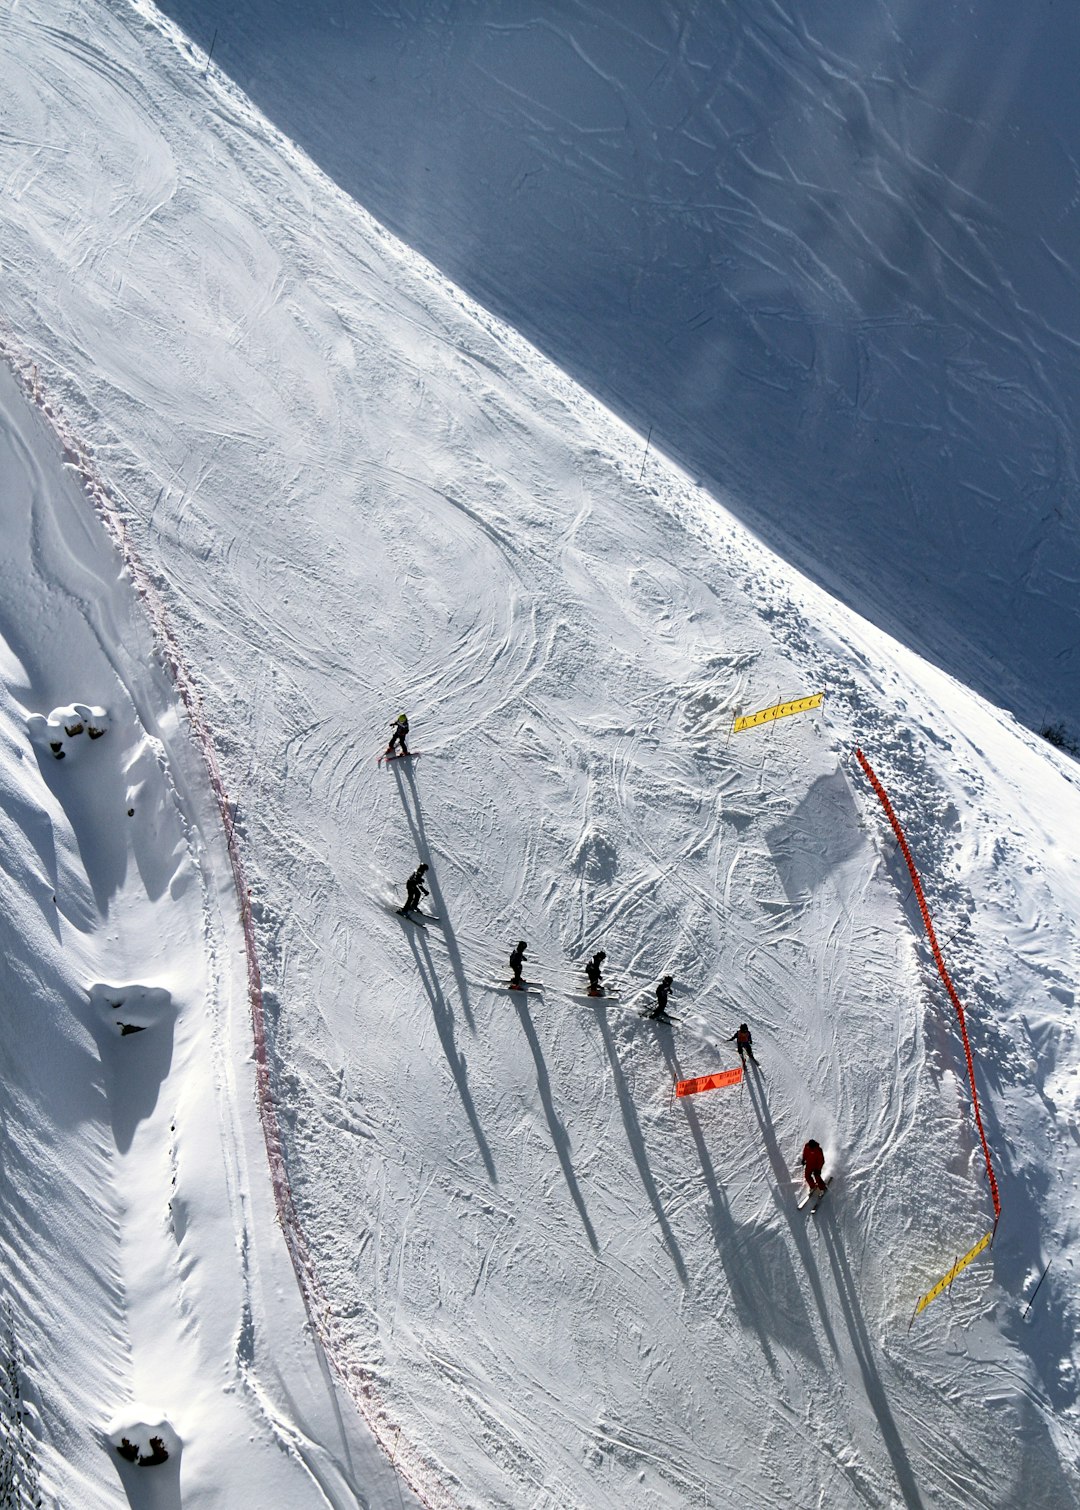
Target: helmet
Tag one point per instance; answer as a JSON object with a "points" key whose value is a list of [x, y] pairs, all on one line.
{"points": [[668, 980], [522, 944], [402, 718], [744, 1027], [601, 954], [422, 867]]}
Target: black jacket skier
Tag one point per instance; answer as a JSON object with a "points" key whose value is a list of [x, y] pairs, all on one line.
{"points": [[744, 1041], [663, 991], [400, 734], [414, 890], [594, 970], [517, 964]]}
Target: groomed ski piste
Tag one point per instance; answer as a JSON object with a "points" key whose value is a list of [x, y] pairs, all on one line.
{"points": [[267, 478]]}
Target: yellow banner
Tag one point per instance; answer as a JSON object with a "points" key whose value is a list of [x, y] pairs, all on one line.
{"points": [[781, 710], [943, 1284]]}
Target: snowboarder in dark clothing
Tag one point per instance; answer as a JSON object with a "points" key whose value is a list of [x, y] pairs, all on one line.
{"points": [[414, 890], [594, 970], [744, 1041], [400, 734], [813, 1162], [663, 991], [517, 964]]}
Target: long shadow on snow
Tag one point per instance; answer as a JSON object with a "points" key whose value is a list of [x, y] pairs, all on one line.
{"points": [[864, 1353], [785, 1205], [559, 1136], [637, 1142], [415, 818], [752, 1300], [444, 1024]]}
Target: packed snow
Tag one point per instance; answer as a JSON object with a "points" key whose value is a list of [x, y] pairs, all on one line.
{"points": [[271, 475]]}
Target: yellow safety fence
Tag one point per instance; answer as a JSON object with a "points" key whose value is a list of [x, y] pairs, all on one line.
{"points": [[779, 710], [944, 1283]]}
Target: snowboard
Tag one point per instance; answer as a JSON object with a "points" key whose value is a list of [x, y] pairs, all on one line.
{"points": [[412, 755]]}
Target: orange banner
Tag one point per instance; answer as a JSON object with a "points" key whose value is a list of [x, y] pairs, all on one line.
{"points": [[707, 1082]]}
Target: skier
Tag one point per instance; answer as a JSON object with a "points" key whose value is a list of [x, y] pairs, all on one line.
{"points": [[744, 1041], [517, 964], [414, 890], [400, 734], [813, 1162], [594, 970], [663, 991]]}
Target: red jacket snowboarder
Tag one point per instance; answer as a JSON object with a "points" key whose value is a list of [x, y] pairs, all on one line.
{"points": [[813, 1162]]}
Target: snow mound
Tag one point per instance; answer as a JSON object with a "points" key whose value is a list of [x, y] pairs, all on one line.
{"points": [[62, 730]]}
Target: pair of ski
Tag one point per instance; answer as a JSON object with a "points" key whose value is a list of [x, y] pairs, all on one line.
{"points": [[416, 915], [814, 1198]]}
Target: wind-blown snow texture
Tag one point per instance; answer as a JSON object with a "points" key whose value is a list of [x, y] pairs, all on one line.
{"points": [[356, 492], [828, 252]]}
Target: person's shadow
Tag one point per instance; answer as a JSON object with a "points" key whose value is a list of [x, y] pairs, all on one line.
{"points": [[559, 1136], [784, 1199], [636, 1138], [864, 1353], [444, 1026], [757, 1289], [410, 803]]}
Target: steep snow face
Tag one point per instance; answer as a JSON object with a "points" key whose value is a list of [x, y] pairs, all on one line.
{"points": [[360, 493], [132, 1262], [825, 253]]}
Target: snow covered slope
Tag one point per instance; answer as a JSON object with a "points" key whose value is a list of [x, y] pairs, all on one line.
{"points": [[142, 1273], [826, 252], [356, 491]]}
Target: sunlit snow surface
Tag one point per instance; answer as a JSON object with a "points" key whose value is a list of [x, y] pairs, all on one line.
{"points": [[357, 492]]}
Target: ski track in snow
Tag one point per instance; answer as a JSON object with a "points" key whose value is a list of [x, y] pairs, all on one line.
{"points": [[828, 259], [357, 492]]}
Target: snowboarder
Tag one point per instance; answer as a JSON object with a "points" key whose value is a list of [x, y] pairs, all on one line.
{"points": [[517, 964], [400, 734], [813, 1162], [594, 970], [744, 1042], [414, 890], [663, 991]]}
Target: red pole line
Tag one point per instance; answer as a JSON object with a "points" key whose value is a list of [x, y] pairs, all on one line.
{"points": [[883, 798]]}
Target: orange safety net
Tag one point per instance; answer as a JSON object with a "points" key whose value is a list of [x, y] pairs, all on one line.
{"points": [[707, 1082], [883, 798]]}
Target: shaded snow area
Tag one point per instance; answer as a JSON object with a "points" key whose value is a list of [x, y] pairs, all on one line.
{"points": [[827, 252], [542, 1280]]}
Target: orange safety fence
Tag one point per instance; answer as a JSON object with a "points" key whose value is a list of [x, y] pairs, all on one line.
{"points": [[883, 798], [707, 1082]]}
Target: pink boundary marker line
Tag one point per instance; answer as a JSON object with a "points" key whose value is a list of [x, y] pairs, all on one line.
{"points": [[315, 1302], [883, 798]]}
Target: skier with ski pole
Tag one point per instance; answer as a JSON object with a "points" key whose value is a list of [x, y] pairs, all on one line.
{"points": [[517, 965], [414, 890], [594, 970], [744, 1042], [663, 991]]}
